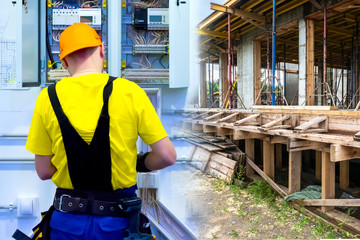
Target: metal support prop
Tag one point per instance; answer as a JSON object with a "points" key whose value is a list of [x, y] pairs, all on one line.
{"points": [[229, 58], [210, 94], [352, 72], [324, 67], [284, 71], [273, 53]]}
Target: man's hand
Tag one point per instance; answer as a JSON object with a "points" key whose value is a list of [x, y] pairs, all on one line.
{"points": [[163, 154], [44, 168]]}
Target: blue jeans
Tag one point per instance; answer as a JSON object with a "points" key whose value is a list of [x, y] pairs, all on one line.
{"points": [[69, 226]]}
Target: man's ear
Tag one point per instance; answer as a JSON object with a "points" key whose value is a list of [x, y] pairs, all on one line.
{"points": [[64, 63], [102, 50]]}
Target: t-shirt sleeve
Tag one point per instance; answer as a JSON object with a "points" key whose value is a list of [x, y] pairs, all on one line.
{"points": [[149, 125], [38, 140]]}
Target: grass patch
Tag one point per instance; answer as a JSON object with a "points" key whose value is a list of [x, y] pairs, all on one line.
{"points": [[234, 233]]}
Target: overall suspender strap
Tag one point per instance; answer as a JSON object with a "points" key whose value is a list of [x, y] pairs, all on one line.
{"points": [[89, 165]]}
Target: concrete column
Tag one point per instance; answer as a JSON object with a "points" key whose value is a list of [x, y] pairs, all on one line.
{"points": [[245, 58], [302, 61], [203, 84], [224, 82]]}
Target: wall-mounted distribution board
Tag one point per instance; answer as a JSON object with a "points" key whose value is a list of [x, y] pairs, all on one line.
{"points": [[62, 13]]}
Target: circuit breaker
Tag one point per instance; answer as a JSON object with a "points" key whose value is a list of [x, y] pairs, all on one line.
{"points": [[145, 41], [63, 13]]}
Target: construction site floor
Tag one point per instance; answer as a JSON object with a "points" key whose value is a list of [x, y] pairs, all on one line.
{"points": [[212, 209]]}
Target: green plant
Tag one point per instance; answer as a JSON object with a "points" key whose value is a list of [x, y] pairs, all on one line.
{"points": [[262, 192], [213, 235], [240, 211], [234, 233]]}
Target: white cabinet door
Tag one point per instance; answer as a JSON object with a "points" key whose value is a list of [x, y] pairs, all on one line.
{"points": [[179, 43]]}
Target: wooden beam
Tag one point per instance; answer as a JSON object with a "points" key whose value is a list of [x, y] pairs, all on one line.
{"points": [[330, 202], [295, 145], [224, 131], [228, 117], [266, 178], [250, 153], [322, 121], [213, 116], [217, 34], [344, 174], [209, 129], [278, 156], [247, 119], [238, 12], [318, 165], [268, 159], [342, 153], [305, 108], [197, 126], [310, 80], [277, 139], [316, 4], [257, 70], [327, 180], [241, 135], [294, 172], [276, 121]]}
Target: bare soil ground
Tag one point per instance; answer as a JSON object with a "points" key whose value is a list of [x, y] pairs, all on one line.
{"points": [[222, 211]]}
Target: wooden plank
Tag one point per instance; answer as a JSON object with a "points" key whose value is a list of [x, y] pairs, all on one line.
{"points": [[349, 223], [265, 177], [276, 121], [268, 159], [305, 108], [196, 127], [250, 153], [238, 12], [276, 127], [208, 128], [229, 163], [316, 4], [257, 71], [213, 116], [224, 131], [344, 175], [330, 202], [342, 153], [278, 155], [313, 122], [247, 119], [206, 146], [310, 49], [318, 165], [301, 145], [277, 139], [228, 117], [294, 172], [240, 135], [327, 180]]}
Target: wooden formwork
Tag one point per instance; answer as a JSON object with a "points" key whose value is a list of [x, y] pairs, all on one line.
{"points": [[330, 132]]}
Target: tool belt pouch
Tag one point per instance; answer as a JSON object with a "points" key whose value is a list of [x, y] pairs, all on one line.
{"points": [[42, 230]]}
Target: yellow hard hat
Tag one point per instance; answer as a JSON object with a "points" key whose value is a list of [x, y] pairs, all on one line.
{"points": [[76, 37]]}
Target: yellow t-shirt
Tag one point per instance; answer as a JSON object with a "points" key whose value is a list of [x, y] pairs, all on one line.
{"points": [[131, 115]]}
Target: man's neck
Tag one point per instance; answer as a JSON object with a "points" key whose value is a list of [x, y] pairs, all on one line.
{"points": [[86, 72]]}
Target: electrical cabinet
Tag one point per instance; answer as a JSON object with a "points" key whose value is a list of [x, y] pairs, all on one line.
{"points": [[62, 13]]}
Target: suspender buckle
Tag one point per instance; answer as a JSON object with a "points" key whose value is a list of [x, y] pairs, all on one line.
{"points": [[61, 202]]}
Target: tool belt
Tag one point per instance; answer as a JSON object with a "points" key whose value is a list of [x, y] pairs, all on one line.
{"points": [[100, 203], [94, 203]]}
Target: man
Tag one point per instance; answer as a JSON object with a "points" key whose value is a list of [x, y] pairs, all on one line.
{"points": [[83, 134]]}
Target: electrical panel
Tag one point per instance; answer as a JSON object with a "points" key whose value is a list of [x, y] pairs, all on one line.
{"points": [[63, 13], [145, 41], [158, 19]]}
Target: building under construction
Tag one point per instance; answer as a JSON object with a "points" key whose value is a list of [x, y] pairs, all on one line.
{"points": [[279, 80]]}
